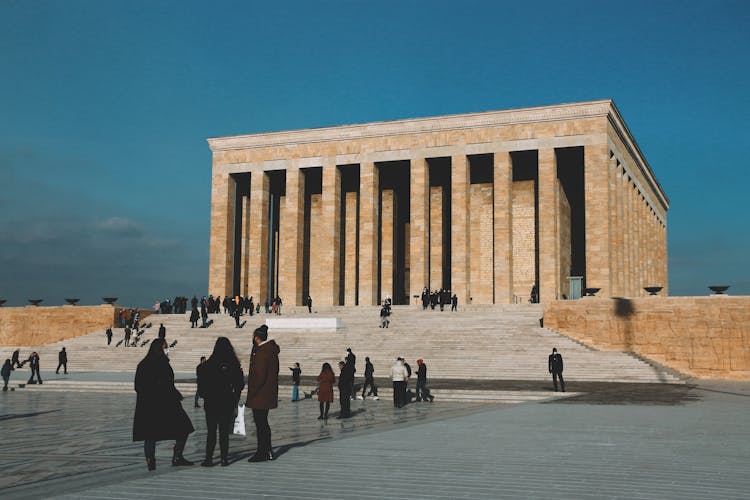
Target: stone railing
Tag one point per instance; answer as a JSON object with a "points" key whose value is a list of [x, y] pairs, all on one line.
{"points": [[707, 337], [33, 326]]}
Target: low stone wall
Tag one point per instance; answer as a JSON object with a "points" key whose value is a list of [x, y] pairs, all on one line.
{"points": [[33, 326], [706, 337]]}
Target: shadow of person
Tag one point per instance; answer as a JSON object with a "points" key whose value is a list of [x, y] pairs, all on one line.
{"points": [[277, 452]]}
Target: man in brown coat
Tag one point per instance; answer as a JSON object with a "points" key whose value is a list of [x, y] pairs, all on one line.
{"points": [[263, 389]]}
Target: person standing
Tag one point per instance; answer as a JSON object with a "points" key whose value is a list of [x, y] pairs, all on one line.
{"points": [[263, 389], [556, 368], [422, 393], [162, 331], [309, 304], [194, 316], [158, 409], [220, 383], [454, 302], [197, 391], [296, 373], [236, 312], [127, 336], [109, 336], [399, 378], [351, 360], [62, 360], [326, 379], [34, 364], [369, 380], [5, 373], [346, 380]]}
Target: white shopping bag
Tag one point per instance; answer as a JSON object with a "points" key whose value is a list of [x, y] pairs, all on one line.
{"points": [[239, 421]]}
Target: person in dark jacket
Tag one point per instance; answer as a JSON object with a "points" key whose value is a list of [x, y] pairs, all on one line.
{"points": [[326, 379], [14, 361], [556, 368], [309, 304], [346, 381], [34, 365], [162, 331], [62, 360], [5, 373], [220, 383], [296, 375], [422, 393], [158, 409], [197, 392], [369, 380], [194, 316], [263, 389], [108, 333]]}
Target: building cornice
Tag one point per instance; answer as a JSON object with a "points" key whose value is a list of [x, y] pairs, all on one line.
{"points": [[558, 112], [413, 126]]}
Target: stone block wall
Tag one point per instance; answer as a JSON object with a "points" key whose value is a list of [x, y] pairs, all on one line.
{"points": [[524, 238], [317, 285], [564, 241], [706, 337], [30, 326], [481, 248]]}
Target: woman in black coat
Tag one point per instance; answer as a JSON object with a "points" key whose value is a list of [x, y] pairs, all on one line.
{"points": [[158, 409], [220, 383]]}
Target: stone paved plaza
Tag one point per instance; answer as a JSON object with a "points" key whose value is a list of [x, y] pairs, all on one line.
{"points": [[617, 441]]}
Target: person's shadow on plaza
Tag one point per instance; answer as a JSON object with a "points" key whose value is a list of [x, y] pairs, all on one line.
{"points": [[277, 452]]}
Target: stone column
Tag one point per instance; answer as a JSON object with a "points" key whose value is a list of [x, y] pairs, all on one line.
{"points": [[547, 225], [387, 213], [419, 251], [350, 250], [435, 238], [639, 227], [503, 224], [291, 238], [460, 227], [247, 221], [222, 234], [368, 233], [596, 193], [330, 242], [257, 270], [614, 240], [620, 233]]}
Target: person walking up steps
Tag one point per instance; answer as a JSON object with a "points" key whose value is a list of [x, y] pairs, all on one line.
{"points": [[369, 381], [62, 358]]}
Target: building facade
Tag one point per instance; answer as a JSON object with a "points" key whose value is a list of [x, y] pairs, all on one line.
{"points": [[484, 204]]}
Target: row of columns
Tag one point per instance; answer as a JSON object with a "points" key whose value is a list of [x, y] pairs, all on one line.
{"points": [[638, 236], [625, 241]]}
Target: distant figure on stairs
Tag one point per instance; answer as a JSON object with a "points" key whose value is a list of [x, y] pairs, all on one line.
{"points": [[109, 336], [296, 373], [309, 304], [14, 363], [534, 295], [556, 368], [62, 358], [5, 372], [127, 336], [425, 298], [194, 315], [34, 364], [162, 331], [454, 303]]}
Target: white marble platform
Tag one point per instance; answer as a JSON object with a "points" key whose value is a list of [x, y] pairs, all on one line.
{"points": [[303, 323]]}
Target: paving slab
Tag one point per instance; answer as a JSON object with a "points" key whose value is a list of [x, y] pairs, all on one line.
{"points": [[691, 441]]}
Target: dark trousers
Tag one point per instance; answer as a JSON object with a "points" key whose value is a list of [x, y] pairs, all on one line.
{"points": [[369, 381], [109, 339], [554, 380], [263, 431], [399, 393], [421, 390], [223, 421], [149, 447], [454, 307], [38, 377], [5, 380], [324, 407], [65, 367], [344, 400]]}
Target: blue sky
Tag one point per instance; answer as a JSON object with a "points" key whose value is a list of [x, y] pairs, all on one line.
{"points": [[106, 105]]}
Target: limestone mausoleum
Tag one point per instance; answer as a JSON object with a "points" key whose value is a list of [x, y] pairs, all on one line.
{"points": [[484, 204]]}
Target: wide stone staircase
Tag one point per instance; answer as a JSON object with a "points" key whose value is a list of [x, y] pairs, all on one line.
{"points": [[477, 342]]}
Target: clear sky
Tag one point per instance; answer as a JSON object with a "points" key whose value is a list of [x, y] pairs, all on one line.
{"points": [[105, 107]]}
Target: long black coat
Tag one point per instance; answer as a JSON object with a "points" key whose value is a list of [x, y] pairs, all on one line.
{"points": [[158, 410], [220, 385]]}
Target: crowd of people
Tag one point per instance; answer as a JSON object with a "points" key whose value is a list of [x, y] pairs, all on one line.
{"points": [[441, 298]]}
